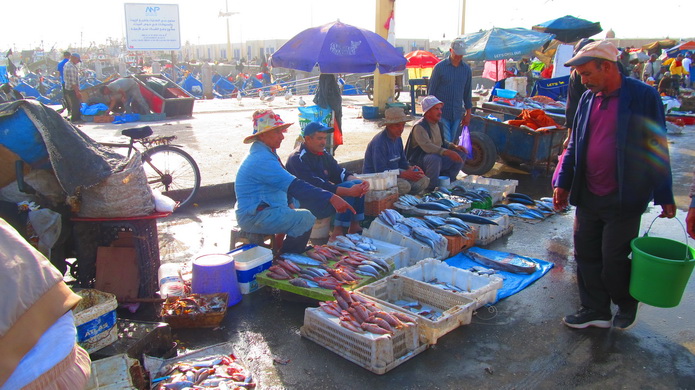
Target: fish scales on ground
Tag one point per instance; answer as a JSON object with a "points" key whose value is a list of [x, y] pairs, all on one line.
{"points": [[511, 263]]}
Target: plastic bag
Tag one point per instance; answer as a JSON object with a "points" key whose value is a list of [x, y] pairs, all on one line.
{"points": [[466, 141]]}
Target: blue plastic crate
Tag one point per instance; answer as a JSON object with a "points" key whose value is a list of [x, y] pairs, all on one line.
{"points": [[370, 112]]}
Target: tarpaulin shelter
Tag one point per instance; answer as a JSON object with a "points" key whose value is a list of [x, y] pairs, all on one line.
{"points": [[680, 48], [569, 28], [657, 46]]}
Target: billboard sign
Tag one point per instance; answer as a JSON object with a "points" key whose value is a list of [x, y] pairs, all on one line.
{"points": [[152, 26]]}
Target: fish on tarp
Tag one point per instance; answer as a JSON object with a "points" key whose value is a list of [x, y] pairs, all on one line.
{"points": [[512, 263], [473, 219]]}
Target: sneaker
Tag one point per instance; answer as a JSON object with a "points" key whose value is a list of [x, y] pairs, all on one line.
{"points": [[626, 318], [586, 317]]}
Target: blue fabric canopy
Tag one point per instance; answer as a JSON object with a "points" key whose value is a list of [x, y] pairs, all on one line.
{"points": [[569, 28], [338, 48], [503, 43]]}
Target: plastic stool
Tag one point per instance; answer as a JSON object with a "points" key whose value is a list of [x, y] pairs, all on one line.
{"points": [[239, 237]]}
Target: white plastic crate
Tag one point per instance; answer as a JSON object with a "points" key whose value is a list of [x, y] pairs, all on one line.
{"points": [[456, 309], [416, 250], [489, 233], [377, 353], [395, 255], [482, 288], [248, 263], [380, 181], [498, 188]]}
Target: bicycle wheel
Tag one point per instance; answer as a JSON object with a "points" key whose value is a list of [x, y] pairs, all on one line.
{"points": [[173, 172]]}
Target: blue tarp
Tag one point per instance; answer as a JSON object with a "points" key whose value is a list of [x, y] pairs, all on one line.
{"points": [[193, 86], [555, 89], [3, 75], [513, 283]]}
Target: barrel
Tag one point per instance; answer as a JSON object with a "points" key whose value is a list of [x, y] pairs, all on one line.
{"points": [[661, 269], [216, 273]]}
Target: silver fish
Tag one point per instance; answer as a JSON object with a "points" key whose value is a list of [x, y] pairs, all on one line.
{"points": [[300, 259]]}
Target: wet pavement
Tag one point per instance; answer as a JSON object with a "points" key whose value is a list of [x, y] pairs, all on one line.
{"points": [[519, 343]]}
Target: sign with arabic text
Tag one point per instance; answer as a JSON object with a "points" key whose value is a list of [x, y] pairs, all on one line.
{"points": [[152, 26]]}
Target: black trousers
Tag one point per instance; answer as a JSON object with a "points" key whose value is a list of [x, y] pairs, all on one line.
{"points": [[602, 235], [73, 105]]}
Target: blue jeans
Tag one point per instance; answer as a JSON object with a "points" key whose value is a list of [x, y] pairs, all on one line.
{"points": [[344, 219], [436, 165], [451, 129]]}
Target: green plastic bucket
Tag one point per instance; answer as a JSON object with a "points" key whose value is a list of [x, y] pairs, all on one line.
{"points": [[661, 269]]}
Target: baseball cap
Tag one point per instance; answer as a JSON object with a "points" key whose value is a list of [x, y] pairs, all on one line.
{"points": [[601, 50], [429, 102], [76, 55], [315, 127], [459, 46]]}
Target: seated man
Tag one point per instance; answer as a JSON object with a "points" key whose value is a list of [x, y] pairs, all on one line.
{"points": [[263, 189], [427, 148], [311, 163], [124, 91], [385, 152]]}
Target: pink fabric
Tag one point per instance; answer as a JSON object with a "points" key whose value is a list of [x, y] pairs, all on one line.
{"points": [[601, 157], [494, 70]]}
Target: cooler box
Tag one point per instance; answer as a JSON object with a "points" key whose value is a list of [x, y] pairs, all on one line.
{"points": [[249, 261], [95, 319]]}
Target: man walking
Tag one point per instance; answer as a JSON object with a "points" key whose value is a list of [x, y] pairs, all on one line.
{"points": [[451, 83], [616, 163], [61, 65], [72, 88]]}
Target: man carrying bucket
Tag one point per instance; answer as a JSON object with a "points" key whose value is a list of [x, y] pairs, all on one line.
{"points": [[616, 163]]}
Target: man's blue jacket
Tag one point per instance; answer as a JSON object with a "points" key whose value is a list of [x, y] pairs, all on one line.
{"points": [[643, 165]]}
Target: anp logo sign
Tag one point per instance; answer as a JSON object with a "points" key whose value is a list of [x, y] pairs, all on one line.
{"points": [[151, 11]]}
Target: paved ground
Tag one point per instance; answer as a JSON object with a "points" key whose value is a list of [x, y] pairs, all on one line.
{"points": [[518, 344]]}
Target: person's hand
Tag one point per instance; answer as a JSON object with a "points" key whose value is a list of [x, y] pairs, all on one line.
{"points": [[461, 149], [340, 205], [358, 190], [668, 211], [413, 173], [453, 156], [690, 222], [560, 198], [466, 120]]}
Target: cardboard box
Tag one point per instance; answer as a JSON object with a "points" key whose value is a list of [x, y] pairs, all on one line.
{"points": [[117, 271], [103, 118]]}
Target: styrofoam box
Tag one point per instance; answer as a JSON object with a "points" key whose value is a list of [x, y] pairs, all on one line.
{"points": [[112, 373], [417, 250], [482, 288], [375, 195], [395, 255], [95, 319], [489, 233], [456, 309], [248, 264], [380, 181], [376, 353]]}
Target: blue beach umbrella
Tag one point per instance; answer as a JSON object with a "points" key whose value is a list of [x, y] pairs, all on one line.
{"points": [[503, 43], [338, 48], [569, 28]]}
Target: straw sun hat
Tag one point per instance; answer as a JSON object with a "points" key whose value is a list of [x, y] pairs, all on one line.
{"points": [[395, 115], [264, 121]]}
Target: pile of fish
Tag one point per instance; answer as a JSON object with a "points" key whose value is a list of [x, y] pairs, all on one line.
{"points": [[411, 227], [447, 226], [314, 270], [436, 200], [445, 286], [361, 315], [355, 242], [417, 307], [473, 218], [474, 195], [194, 304], [211, 372], [523, 206]]}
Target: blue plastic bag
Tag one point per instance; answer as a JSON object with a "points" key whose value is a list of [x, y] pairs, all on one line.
{"points": [[93, 109], [466, 141]]}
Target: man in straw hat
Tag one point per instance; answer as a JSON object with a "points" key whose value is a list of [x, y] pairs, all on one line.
{"points": [[385, 152], [263, 187], [311, 163], [428, 148], [616, 163]]}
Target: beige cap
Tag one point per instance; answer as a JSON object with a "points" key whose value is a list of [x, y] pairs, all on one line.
{"points": [[601, 50]]}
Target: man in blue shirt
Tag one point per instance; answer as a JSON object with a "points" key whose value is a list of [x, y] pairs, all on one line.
{"points": [[264, 189], [311, 163], [61, 65], [451, 83], [385, 152]]}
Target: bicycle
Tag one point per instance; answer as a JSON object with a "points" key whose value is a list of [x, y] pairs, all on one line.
{"points": [[169, 169]]}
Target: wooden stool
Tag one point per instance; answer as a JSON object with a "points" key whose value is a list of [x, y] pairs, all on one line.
{"points": [[239, 237]]}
